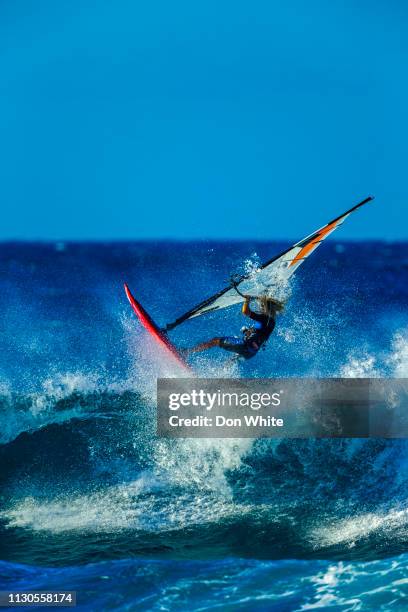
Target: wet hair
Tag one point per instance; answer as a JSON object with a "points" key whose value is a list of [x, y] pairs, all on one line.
{"points": [[269, 305]]}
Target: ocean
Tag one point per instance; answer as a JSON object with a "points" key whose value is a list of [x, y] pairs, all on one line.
{"points": [[92, 500]]}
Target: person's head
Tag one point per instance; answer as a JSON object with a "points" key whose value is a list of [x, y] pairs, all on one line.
{"points": [[270, 306]]}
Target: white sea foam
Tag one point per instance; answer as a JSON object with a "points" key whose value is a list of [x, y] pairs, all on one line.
{"points": [[350, 530], [38, 409], [122, 507], [392, 362], [398, 359], [360, 366], [327, 584]]}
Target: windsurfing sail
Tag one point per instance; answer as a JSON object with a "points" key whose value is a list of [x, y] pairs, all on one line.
{"points": [[273, 273]]}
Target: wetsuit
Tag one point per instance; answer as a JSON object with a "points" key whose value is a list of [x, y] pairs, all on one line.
{"points": [[250, 345]]}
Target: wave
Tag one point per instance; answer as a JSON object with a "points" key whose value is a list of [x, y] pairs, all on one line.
{"points": [[107, 478], [62, 396], [86, 478]]}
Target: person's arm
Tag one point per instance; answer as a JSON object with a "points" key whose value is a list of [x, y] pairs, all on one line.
{"points": [[255, 316], [245, 307]]}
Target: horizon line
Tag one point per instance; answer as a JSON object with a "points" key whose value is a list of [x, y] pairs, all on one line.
{"points": [[184, 240]]}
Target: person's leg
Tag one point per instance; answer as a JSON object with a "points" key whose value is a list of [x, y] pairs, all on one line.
{"points": [[203, 346], [234, 345], [228, 343]]}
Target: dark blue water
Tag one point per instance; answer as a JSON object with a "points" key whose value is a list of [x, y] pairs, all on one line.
{"points": [[92, 500]]}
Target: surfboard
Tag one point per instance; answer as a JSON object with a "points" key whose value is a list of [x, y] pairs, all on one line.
{"points": [[155, 332]]}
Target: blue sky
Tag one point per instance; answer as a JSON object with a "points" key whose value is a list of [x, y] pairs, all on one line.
{"points": [[202, 119]]}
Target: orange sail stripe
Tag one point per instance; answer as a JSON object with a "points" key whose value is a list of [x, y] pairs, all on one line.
{"points": [[314, 242]]}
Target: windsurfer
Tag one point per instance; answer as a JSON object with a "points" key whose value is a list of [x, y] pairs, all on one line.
{"points": [[254, 336]]}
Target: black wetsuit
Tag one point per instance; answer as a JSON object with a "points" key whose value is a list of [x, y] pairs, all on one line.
{"points": [[249, 346]]}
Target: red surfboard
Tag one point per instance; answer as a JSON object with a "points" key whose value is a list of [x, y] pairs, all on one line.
{"points": [[155, 332]]}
